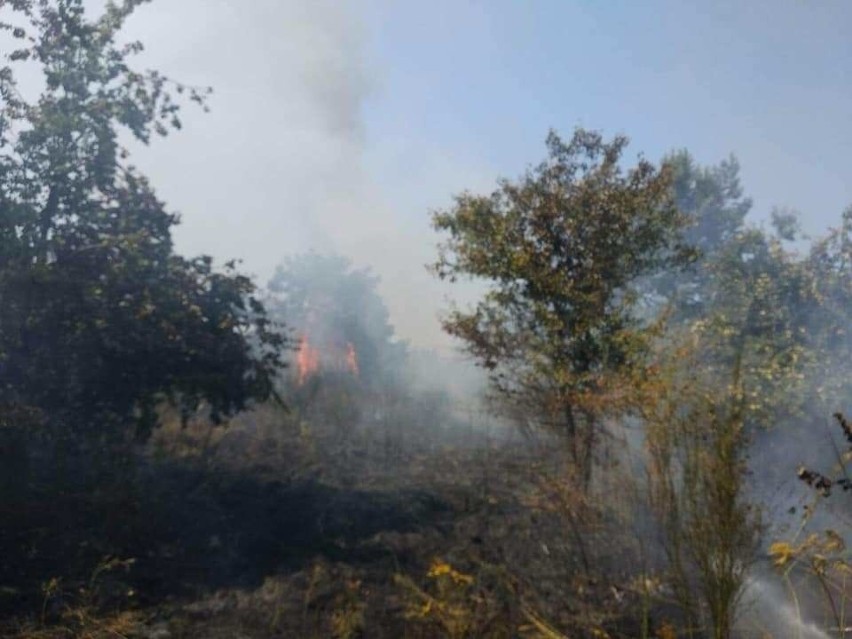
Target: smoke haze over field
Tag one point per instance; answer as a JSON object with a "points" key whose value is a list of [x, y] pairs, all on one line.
{"points": [[338, 126], [282, 164]]}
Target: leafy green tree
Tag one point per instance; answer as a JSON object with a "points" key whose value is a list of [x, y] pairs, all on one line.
{"points": [[712, 200], [696, 441], [747, 295], [711, 197], [562, 249], [725, 377], [767, 348], [759, 299], [830, 264], [101, 320]]}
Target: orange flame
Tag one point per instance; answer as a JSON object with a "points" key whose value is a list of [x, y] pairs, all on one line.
{"points": [[307, 360], [351, 359]]}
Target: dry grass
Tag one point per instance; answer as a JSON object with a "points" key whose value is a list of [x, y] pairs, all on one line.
{"points": [[304, 524]]}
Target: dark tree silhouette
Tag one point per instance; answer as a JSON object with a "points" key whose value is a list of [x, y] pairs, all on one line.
{"points": [[101, 320]]}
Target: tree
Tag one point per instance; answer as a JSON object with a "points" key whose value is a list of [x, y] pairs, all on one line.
{"points": [[830, 264], [336, 307], [759, 343], [712, 200], [101, 320], [711, 197], [561, 250], [750, 298], [696, 441]]}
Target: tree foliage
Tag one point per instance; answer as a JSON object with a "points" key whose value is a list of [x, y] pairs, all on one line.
{"points": [[562, 249], [749, 298], [711, 197], [830, 263], [101, 319], [696, 439], [756, 356], [712, 201]]}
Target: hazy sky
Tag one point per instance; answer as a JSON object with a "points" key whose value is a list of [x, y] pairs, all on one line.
{"points": [[339, 125]]}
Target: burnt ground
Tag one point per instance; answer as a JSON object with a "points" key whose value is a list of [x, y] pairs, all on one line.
{"points": [[256, 536]]}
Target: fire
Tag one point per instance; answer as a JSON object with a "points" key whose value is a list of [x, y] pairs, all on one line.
{"points": [[307, 360], [351, 359]]}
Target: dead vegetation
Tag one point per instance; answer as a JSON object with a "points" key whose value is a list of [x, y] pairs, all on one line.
{"points": [[290, 523]]}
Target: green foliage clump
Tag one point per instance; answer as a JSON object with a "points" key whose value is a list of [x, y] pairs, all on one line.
{"points": [[562, 250], [101, 320]]}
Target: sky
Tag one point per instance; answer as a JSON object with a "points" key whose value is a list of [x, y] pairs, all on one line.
{"points": [[338, 126]]}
